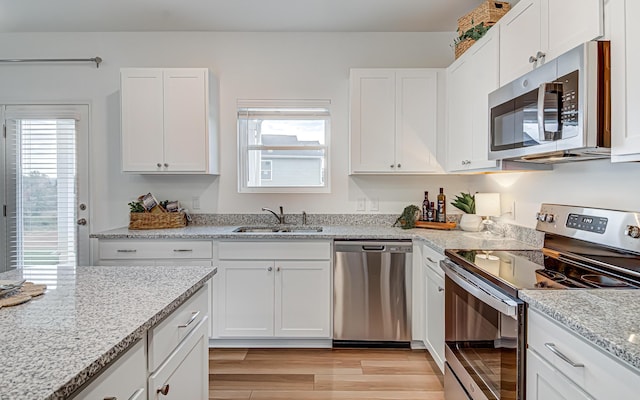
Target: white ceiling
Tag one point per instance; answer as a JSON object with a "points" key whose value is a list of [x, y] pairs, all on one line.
{"points": [[233, 15]]}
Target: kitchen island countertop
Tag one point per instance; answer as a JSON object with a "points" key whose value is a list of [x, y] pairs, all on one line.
{"points": [[439, 240], [88, 316], [608, 318]]}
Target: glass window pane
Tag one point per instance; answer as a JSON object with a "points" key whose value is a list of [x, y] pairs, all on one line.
{"points": [[286, 168]]}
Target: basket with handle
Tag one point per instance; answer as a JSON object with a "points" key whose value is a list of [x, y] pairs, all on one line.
{"points": [[489, 12], [144, 220]]}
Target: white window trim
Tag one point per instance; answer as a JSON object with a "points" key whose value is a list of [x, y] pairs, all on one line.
{"points": [[243, 147]]}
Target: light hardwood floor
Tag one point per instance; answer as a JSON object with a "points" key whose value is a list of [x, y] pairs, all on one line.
{"points": [[319, 374]]}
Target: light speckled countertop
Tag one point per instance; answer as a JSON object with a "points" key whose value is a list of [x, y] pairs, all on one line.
{"points": [[436, 239], [87, 317], [606, 317]]}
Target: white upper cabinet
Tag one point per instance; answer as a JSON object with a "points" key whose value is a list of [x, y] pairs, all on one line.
{"points": [[394, 121], [536, 31], [625, 81], [165, 121], [469, 81]]}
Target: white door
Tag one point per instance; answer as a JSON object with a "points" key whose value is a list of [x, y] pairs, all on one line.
{"points": [[303, 299], [434, 320], [544, 382], [520, 38], [562, 33], [45, 186], [245, 298], [460, 117]]}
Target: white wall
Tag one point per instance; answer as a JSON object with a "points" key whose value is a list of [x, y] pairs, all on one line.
{"points": [[589, 183], [247, 65]]}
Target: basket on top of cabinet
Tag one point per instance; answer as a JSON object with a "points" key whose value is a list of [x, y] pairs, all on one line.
{"points": [[489, 12]]}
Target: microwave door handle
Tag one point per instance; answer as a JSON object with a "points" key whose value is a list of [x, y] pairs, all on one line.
{"points": [[545, 91]]}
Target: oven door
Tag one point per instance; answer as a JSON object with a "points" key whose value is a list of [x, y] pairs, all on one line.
{"points": [[484, 338]]}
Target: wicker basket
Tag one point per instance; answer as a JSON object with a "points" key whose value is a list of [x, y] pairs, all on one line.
{"points": [[488, 13], [463, 46], [157, 221]]}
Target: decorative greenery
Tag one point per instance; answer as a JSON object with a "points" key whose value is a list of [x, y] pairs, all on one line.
{"points": [[408, 218], [465, 202], [136, 207], [474, 33]]}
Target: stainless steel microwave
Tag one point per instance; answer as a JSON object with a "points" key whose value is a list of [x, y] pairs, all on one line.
{"points": [[558, 112]]}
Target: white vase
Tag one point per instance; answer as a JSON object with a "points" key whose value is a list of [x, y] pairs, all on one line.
{"points": [[470, 222]]}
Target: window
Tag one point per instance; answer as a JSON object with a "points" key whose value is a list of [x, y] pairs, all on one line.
{"points": [[283, 146]]}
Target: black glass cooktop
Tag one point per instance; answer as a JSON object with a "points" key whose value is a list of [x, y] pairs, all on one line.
{"points": [[538, 269]]}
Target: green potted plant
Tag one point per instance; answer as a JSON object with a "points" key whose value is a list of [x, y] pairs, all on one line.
{"points": [[466, 203]]}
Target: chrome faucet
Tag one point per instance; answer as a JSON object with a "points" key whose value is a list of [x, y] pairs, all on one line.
{"points": [[280, 217]]}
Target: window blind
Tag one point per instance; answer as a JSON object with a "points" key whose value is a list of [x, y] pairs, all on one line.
{"points": [[40, 157]]}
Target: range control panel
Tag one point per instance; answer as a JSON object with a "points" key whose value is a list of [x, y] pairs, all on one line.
{"points": [[587, 223]]}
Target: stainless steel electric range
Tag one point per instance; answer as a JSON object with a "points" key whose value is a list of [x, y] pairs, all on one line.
{"points": [[485, 322]]}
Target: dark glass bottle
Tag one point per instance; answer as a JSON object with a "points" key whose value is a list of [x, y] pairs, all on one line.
{"points": [[441, 214], [431, 214], [425, 206]]}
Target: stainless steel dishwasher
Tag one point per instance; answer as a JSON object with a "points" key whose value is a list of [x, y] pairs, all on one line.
{"points": [[372, 293]]}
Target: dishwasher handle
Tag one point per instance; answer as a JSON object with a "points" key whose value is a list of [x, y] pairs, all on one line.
{"points": [[373, 248]]}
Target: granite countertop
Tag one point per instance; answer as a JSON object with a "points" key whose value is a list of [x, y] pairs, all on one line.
{"points": [[439, 240], [607, 318], [53, 344]]}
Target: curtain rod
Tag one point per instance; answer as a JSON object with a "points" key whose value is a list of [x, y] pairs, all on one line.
{"points": [[96, 60]]}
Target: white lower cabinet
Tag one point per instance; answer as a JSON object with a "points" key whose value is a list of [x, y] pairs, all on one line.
{"points": [[271, 291], [156, 252], [562, 365], [434, 307], [126, 378]]}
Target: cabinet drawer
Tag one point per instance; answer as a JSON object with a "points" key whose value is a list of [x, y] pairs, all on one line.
{"points": [[600, 375], [165, 336], [126, 378], [283, 250], [134, 249], [431, 259]]}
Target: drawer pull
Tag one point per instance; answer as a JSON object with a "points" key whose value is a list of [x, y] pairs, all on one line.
{"points": [[182, 250], [137, 394], [164, 390], [430, 260], [194, 316], [126, 250], [440, 289], [110, 398], [552, 348]]}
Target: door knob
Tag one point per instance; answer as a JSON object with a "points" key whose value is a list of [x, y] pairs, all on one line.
{"points": [[159, 165], [164, 390], [82, 221]]}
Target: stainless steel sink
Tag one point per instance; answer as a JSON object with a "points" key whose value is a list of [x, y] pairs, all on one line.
{"points": [[278, 229]]}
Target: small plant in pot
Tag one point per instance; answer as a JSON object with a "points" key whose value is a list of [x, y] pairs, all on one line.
{"points": [[469, 221]]}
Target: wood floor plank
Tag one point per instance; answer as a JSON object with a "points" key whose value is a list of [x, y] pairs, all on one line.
{"points": [[346, 395], [377, 382], [317, 366], [261, 381], [341, 354], [229, 394], [394, 367], [227, 354]]}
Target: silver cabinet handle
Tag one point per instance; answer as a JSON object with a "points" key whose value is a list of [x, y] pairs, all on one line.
{"points": [[126, 250], [440, 289], [269, 269], [399, 165], [552, 348], [182, 250], [166, 165], [82, 221], [194, 315], [110, 398], [137, 394], [392, 166], [159, 165], [164, 390], [278, 269], [430, 260]]}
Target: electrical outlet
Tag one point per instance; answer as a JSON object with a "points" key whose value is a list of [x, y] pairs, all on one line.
{"points": [[362, 204], [374, 204], [195, 203]]}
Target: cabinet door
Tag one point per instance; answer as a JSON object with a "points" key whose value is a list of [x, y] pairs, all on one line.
{"points": [[142, 119], [625, 81], [185, 120], [545, 383], [372, 120], [416, 120], [562, 33], [303, 299], [484, 65], [245, 298], [459, 145], [185, 374], [434, 318], [520, 38]]}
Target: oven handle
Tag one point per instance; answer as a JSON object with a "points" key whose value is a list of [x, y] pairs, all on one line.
{"points": [[481, 291]]}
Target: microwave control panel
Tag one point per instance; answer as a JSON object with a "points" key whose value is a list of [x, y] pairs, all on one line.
{"points": [[569, 99]]}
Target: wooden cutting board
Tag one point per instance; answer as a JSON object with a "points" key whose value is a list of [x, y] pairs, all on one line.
{"points": [[436, 225]]}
